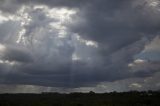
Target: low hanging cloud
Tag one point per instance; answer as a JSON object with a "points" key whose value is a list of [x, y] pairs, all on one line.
{"points": [[14, 54], [69, 44]]}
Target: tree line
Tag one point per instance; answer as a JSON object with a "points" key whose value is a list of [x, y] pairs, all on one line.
{"points": [[132, 98]]}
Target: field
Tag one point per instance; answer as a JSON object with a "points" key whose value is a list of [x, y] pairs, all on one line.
{"points": [[133, 98]]}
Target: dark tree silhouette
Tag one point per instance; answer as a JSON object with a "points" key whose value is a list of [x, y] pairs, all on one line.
{"points": [[132, 98]]}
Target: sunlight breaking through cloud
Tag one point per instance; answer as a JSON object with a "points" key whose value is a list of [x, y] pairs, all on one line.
{"points": [[103, 45]]}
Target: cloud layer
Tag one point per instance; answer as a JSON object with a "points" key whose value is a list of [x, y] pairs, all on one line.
{"points": [[75, 44]]}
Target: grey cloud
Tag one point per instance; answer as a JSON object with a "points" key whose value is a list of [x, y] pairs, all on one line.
{"points": [[121, 29], [118, 21], [139, 84], [11, 6], [15, 54], [8, 31], [151, 50]]}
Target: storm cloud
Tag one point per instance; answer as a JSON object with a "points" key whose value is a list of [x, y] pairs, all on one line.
{"points": [[78, 44]]}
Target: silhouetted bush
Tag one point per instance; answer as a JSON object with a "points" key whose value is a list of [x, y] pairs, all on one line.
{"points": [[132, 98]]}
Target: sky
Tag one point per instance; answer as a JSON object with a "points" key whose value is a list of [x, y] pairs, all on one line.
{"points": [[79, 45]]}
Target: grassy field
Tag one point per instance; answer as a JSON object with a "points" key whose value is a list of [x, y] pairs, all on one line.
{"points": [[133, 98]]}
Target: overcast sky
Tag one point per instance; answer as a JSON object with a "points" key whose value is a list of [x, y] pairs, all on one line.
{"points": [[79, 45]]}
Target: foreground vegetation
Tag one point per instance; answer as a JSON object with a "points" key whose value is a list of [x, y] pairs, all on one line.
{"points": [[133, 98]]}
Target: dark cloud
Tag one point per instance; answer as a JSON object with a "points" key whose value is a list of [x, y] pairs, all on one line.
{"points": [[101, 41], [11, 6], [15, 54], [108, 21]]}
